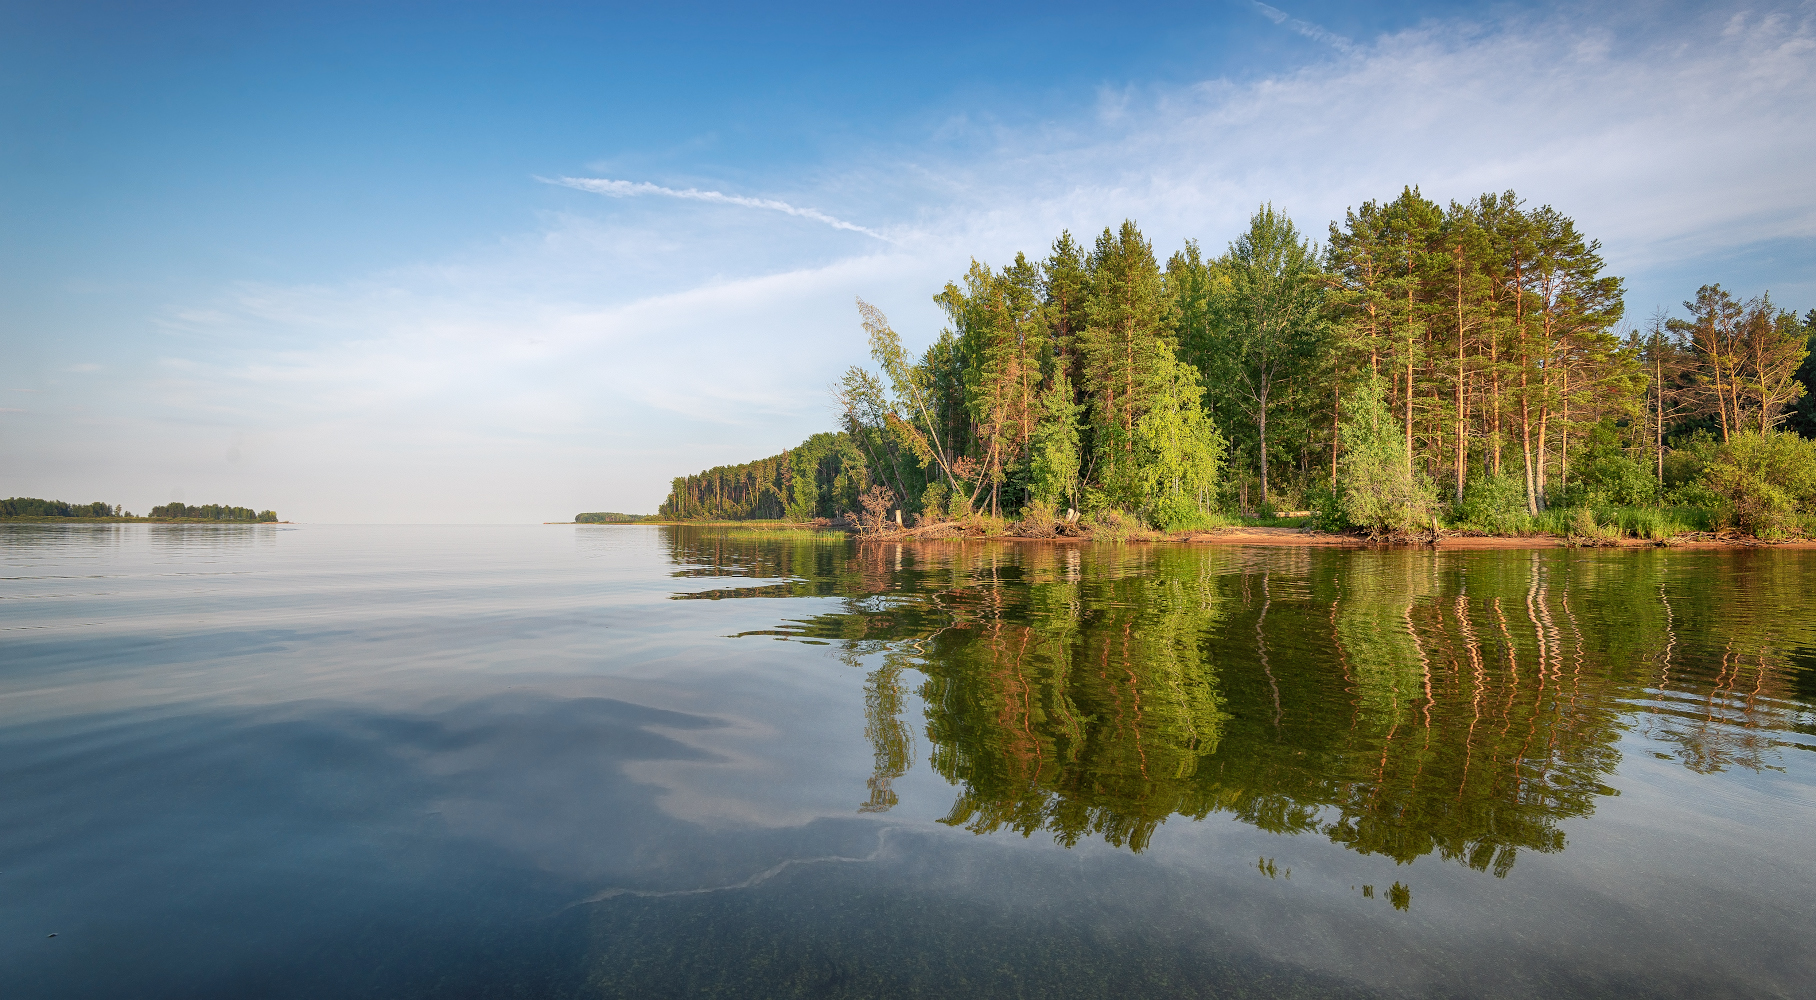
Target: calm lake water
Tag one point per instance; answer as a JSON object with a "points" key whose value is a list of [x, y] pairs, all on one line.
{"points": [[645, 761]]}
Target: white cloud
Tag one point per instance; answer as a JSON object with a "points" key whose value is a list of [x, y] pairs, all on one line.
{"points": [[582, 364]]}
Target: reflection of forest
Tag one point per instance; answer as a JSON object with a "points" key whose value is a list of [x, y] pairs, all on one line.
{"points": [[1398, 702]]}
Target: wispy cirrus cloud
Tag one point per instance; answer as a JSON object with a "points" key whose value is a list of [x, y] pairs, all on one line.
{"points": [[635, 189], [1306, 28]]}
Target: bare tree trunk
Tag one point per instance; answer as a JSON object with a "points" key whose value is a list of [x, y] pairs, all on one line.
{"points": [[1494, 365], [1721, 399], [1336, 422], [1532, 501], [1262, 425], [1462, 427], [1408, 404], [1538, 478], [1563, 433], [1658, 391]]}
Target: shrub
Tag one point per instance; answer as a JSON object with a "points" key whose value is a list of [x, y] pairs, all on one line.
{"points": [[1692, 494], [1381, 494], [1618, 480], [1582, 529], [1495, 504], [876, 503], [1038, 520], [933, 501], [1178, 513], [1326, 505], [1685, 462], [1112, 525], [1767, 482]]}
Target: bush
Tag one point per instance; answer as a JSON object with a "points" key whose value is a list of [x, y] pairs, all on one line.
{"points": [[1176, 514], [1112, 525], [958, 506], [933, 502], [1583, 529], [1380, 493], [1767, 482], [1685, 462], [1038, 520], [1326, 505], [1617, 480], [1495, 504], [1693, 494]]}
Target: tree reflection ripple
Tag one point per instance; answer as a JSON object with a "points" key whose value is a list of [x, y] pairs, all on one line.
{"points": [[1398, 702]]}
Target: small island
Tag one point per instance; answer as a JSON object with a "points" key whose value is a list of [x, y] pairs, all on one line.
{"points": [[34, 509], [612, 518]]}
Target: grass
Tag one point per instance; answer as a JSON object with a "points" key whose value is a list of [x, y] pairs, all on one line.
{"points": [[1274, 522], [1604, 523]]}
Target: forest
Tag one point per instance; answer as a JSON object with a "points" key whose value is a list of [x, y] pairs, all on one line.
{"points": [[31, 507], [211, 512], [1464, 366]]}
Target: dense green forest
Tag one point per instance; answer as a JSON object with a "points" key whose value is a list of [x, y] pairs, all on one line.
{"points": [[212, 512], [1468, 363], [822, 477], [607, 517], [33, 507]]}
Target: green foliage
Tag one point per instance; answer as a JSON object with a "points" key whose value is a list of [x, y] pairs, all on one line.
{"points": [[1493, 504], [1268, 325], [1128, 320], [1381, 494], [1685, 462], [611, 518], [1766, 481], [1619, 480], [33, 507], [933, 501], [1606, 475], [212, 512], [1112, 525], [1583, 529], [1053, 472], [1177, 446], [1326, 505], [1093, 379], [823, 477]]}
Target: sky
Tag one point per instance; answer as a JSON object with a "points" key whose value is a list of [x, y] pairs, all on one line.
{"points": [[464, 262]]}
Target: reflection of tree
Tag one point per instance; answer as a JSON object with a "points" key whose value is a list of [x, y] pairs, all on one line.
{"points": [[1402, 703], [883, 726], [1086, 708]]}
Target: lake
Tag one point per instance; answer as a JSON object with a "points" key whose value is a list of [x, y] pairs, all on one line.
{"points": [[552, 760]]}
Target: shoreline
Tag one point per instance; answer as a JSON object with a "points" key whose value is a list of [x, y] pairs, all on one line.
{"points": [[49, 519], [1261, 536]]}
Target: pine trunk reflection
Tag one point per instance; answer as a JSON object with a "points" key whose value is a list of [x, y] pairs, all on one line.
{"points": [[1401, 703]]}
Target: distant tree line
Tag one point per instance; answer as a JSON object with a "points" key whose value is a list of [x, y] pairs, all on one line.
{"points": [[822, 477], [610, 518], [212, 512], [33, 507], [1464, 361]]}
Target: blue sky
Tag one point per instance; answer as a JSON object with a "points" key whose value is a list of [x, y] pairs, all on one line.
{"points": [[318, 258]]}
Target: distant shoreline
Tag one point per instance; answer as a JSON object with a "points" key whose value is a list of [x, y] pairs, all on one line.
{"points": [[47, 519]]}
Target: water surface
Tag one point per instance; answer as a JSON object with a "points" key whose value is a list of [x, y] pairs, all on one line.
{"points": [[625, 760]]}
